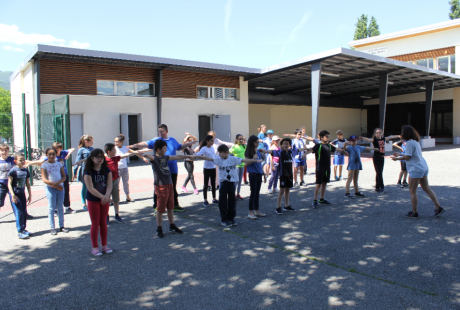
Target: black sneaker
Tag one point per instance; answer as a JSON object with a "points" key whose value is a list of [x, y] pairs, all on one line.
{"points": [[118, 219], [173, 228], [377, 190], [27, 233], [439, 211], [234, 223], [217, 187], [178, 208], [358, 194], [302, 183], [399, 184], [405, 184], [412, 215], [70, 210], [30, 217], [324, 202], [348, 195], [288, 208], [315, 204], [279, 211], [226, 223], [64, 230], [206, 203], [215, 201], [160, 232], [108, 218], [246, 183]]}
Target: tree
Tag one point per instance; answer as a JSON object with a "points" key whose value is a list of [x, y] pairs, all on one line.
{"points": [[454, 9], [373, 29], [361, 28], [6, 122]]}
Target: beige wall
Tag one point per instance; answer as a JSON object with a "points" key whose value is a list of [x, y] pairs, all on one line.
{"points": [[444, 94], [285, 119], [101, 115], [456, 96], [181, 115]]}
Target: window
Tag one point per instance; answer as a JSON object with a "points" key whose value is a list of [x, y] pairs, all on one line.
{"points": [[446, 63], [452, 63], [429, 63], [120, 88], [105, 88], [206, 92]]}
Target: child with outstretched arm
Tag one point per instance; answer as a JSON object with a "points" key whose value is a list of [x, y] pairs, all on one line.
{"points": [[401, 144]]}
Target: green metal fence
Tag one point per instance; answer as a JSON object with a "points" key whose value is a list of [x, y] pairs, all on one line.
{"points": [[54, 124]]}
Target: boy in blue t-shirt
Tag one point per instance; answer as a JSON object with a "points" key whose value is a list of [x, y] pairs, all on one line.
{"points": [[6, 163], [354, 164], [401, 144], [18, 179], [298, 157]]}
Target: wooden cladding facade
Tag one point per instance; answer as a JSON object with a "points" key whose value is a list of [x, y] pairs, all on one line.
{"points": [[180, 84], [427, 54], [76, 78]]}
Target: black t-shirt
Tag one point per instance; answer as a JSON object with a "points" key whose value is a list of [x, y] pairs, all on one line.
{"points": [[285, 162], [379, 144], [323, 155], [99, 179]]}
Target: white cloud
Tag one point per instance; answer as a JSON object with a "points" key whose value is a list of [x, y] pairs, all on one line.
{"points": [[11, 34], [228, 14], [16, 49], [296, 30]]}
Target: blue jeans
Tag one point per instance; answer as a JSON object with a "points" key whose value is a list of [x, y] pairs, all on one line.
{"points": [[240, 178], [55, 201]]}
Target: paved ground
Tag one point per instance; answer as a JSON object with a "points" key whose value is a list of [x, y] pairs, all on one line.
{"points": [[360, 253]]}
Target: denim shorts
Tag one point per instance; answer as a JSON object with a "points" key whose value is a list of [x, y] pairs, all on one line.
{"points": [[298, 163], [339, 160]]}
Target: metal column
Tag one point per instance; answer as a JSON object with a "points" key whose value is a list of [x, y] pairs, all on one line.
{"points": [[429, 86], [383, 90], [315, 97], [24, 125], [159, 93]]}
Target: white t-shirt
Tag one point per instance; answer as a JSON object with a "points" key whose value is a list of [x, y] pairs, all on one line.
{"points": [[123, 163], [208, 152], [227, 168], [416, 163], [53, 171]]}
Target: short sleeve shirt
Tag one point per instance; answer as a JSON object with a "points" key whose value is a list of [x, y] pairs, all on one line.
{"points": [[99, 179], [238, 151], [53, 170], [379, 144], [261, 136], [402, 144], [323, 155], [228, 168], [161, 170], [5, 167], [354, 158], [172, 146], [123, 163], [61, 159], [256, 167], [285, 160], [416, 163], [20, 177], [112, 163], [296, 145], [208, 152], [339, 144]]}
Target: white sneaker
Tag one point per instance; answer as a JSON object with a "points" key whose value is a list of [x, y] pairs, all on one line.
{"points": [[275, 190], [270, 191], [252, 217]]}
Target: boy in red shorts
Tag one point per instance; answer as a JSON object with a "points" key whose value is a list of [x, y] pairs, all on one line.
{"points": [[164, 185]]}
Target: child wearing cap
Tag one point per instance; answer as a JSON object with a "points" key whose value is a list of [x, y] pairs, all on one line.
{"points": [[354, 165], [323, 152], [339, 158]]}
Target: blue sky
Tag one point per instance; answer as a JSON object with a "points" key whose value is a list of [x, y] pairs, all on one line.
{"points": [[235, 32]]}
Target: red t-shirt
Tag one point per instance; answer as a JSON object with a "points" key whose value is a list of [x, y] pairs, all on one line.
{"points": [[113, 166]]}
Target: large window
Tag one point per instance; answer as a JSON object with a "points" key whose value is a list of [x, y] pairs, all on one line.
{"points": [[446, 63], [429, 63], [120, 88], [207, 92]]}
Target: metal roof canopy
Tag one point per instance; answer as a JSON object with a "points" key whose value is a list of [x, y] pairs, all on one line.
{"points": [[347, 76]]}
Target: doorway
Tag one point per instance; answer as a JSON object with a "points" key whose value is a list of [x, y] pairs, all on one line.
{"points": [[130, 128], [204, 126], [219, 123]]}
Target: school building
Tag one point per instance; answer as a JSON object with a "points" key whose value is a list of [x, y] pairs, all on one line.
{"points": [[386, 81]]}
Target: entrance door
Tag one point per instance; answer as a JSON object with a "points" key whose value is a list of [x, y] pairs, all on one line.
{"points": [[221, 125], [204, 126], [129, 127]]}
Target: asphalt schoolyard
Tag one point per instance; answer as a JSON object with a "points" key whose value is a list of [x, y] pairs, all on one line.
{"points": [[355, 253]]}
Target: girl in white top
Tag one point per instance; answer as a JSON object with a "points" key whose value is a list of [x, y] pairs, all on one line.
{"points": [[53, 175], [209, 169], [217, 143], [417, 169], [123, 164]]}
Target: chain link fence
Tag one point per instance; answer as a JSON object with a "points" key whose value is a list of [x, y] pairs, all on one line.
{"points": [[52, 122]]}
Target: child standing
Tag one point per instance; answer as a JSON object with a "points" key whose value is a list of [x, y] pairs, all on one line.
{"points": [[401, 144], [255, 176], [98, 179], [188, 164], [112, 162], [85, 146], [209, 170], [286, 176], [379, 156], [245, 172], [339, 158], [53, 175], [238, 150], [123, 171], [19, 178], [354, 165], [228, 176], [6, 164], [323, 152], [274, 166], [299, 161], [164, 185]]}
